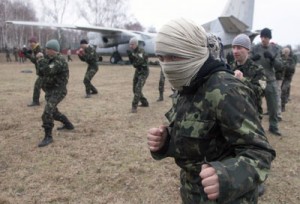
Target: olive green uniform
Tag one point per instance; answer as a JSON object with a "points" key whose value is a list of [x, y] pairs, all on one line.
{"points": [[214, 120]]}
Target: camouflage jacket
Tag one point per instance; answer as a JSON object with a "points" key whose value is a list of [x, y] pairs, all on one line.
{"points": [[270, 66], [288, 66], [254, 76], [31, 55], [214, 121], [90, 57], [139, 59], [54, 71]]}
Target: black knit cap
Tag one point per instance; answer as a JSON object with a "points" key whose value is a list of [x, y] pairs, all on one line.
{"points": [[266, 32], [83, 41]]}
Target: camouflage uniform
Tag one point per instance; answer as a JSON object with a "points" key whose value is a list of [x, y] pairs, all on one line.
{"points": [[271, 92], [255, 79], [91, 58], [31, 55], [289, 65], [161, 86], [139, 60], [214, 121], [55, 74]]}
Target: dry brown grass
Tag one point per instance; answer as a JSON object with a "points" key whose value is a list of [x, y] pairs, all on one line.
{"points": [[105, 159]]}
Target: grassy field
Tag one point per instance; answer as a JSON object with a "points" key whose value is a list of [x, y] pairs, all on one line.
{"points": [[105, 159]]}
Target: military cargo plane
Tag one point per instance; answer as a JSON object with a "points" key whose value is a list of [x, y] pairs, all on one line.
{"points": [[236, 18]]}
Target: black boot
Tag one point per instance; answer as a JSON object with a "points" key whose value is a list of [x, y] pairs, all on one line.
{"points": [[34, 103], [261, 189], [47, 139], [67, 125], [161, 97], [283, 108], [94, 90]]}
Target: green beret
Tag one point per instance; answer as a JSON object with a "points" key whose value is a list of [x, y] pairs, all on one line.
{"points": [[53, 45]]}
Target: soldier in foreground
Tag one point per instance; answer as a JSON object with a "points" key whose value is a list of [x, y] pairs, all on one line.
{"points": [[55, 73], [139, 59], [215, 135], [31, 55], [88, 54]]}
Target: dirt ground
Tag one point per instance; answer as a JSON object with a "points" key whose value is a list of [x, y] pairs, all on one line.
{"points": [[105, 159]]}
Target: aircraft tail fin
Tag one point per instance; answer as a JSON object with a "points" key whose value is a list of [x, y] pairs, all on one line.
{"points": [[240, 12], [233, 25]]}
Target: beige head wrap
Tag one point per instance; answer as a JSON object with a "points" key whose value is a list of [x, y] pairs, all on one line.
{"points": [[182, 38]]}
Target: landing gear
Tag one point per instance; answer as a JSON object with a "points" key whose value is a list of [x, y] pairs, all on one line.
{"points": [[115, 58]]}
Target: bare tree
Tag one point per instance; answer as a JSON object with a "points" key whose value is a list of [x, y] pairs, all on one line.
{"points": [[15, 10], [109, 13], [54, 12]]}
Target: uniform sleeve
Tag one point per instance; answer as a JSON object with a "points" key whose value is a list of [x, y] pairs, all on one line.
{"points": [[140, 59], [278, 61], [258, 82], [243, 132]]}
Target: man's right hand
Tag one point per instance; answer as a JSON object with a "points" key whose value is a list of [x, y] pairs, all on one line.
{"points": [[157, 138]]}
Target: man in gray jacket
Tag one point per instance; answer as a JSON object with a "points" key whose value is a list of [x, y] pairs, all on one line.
{"points": [[268, 55]]}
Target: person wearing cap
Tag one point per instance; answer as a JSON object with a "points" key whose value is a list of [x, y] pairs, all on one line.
{"points": [[54, 70], [88, 54], [247, 70], [268, 56], [214, 132], [31, 55], [139, 59]]}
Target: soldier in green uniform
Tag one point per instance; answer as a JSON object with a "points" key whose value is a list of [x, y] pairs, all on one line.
{"points": [[214, 135], [54, 70], [253, 75], [88, 54], [268, 56], [139, 59], [31, 55], [161, 86], [289, 65]]}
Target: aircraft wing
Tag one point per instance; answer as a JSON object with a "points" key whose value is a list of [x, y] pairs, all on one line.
{"points": [[110, 36]]}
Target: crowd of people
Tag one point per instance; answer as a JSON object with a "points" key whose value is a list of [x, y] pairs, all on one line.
{"points": [[215, 133]]}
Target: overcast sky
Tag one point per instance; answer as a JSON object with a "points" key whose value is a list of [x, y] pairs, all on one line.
{"points": [[282, 16]]}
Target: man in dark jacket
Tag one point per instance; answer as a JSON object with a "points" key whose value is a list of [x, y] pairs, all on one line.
{"points": [[268, 56]]}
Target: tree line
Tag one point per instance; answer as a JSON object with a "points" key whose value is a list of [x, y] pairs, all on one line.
{"points": [[106, 13]]}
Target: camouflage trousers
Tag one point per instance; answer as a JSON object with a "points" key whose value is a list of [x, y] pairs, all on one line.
{"points": [[279, 84], [285, 91], [37, 89], [90, 73], [161, 84], [53, 98], [272, 103], [139, 81]]}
